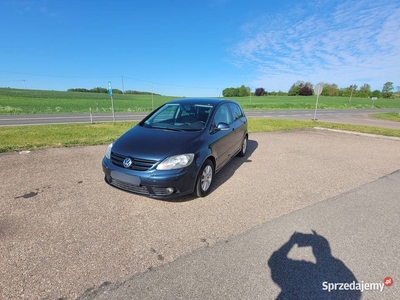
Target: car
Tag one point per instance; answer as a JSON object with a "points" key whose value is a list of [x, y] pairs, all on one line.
{"points": [[178, 148]]}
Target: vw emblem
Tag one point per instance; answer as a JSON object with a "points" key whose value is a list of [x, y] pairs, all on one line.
{"points": [[127, 162]]}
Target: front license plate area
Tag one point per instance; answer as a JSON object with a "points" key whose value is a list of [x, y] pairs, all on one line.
{"points": [[135, 180]]}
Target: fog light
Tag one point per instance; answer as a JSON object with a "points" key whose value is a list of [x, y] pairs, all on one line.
{"points": [[170, 190]]}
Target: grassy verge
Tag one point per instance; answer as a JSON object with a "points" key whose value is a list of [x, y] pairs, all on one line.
{"points": [[393, 116], [267, 125], [44, 136]]}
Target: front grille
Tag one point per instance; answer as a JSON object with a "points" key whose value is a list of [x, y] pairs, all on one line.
{"points": [[138, 164], [138, 189]]}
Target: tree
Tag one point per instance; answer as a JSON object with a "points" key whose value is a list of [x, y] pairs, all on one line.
{"points": [[365, 91], [333, 89], [387, 90], [259, 92], [310, 85], [376, 93], [344, 92], [295, 88], [365, 87], [230, 92], [305, 91], [244, 91], [82, 90], [99, 90], [116, 91], [325, 90]]}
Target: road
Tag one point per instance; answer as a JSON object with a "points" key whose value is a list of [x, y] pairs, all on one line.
{"points": [[64, 233], [251, 265], [346, 116]]}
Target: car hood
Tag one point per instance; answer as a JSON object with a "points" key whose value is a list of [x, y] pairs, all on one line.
{"points": [[154, 144]]}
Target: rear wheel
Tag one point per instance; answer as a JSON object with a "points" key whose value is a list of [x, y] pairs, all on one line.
{"points": [[243, 150], [205, 179]]}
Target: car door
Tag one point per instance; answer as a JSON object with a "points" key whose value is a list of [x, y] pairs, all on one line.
{"points": [[238, 125], [222, 135]]}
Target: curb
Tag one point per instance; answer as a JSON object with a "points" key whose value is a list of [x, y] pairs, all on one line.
{"points": [[360, 133]]}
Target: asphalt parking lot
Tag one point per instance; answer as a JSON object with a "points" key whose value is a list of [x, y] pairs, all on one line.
{"points": [[64, 231]]}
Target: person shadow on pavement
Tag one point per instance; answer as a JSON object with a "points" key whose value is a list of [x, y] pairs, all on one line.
{"points": [[300, 279]]}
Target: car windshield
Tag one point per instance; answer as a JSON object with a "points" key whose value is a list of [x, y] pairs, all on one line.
{"points": [[180, 117]]}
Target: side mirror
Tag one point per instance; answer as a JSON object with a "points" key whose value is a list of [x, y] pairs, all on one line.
{"points": [[223, 126]]}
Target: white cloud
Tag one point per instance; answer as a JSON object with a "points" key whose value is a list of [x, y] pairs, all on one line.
{"points": [[32, 7], [350, 43]]}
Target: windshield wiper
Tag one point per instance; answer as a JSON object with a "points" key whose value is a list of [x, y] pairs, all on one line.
{"points": [[167, 128]]}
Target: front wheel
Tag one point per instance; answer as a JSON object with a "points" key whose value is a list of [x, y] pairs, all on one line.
{"points": [[205, 179], [243, 150]]}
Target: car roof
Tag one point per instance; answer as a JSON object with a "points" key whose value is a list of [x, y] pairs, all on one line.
{"points": [[202, 101]]}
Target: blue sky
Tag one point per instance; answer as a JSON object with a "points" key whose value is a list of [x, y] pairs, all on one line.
{"points": [[198, 48]]}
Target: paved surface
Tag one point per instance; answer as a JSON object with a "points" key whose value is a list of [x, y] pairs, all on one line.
{"points": [[352, 116], [362, 241], [63, 231]]}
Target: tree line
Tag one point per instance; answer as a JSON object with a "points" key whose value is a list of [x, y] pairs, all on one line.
{"points": [[241, 91], [301, 88], [105, 91]]}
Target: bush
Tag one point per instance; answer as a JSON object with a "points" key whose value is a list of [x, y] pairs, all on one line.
{"points": [[82, 90], [99, 90], [305, 91], [259, 92]]}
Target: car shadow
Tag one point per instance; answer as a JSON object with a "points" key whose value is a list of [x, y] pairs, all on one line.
{"points": [[226, 172], [302, 279]]}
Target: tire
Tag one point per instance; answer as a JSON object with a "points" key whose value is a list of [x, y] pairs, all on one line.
{"points": [[204, 179], [243, 150]]}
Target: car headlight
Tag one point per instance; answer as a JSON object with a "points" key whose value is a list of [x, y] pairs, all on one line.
{"points": [[176, 162], [108, 151]]}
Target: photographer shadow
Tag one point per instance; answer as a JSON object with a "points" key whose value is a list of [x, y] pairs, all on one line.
{"points": [[300, 279]]}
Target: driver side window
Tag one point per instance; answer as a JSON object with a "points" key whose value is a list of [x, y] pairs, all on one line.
{"points": [[222, 115]]}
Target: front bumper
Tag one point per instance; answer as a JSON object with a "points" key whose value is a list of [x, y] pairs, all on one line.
{"points": [[153, 183]]}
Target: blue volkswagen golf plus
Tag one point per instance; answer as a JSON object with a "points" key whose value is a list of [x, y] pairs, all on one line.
{"points": [[178, 148]]}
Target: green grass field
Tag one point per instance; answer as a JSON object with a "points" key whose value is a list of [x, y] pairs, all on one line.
{"points": [[393, 116], [19, 101], [13, 101]]}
